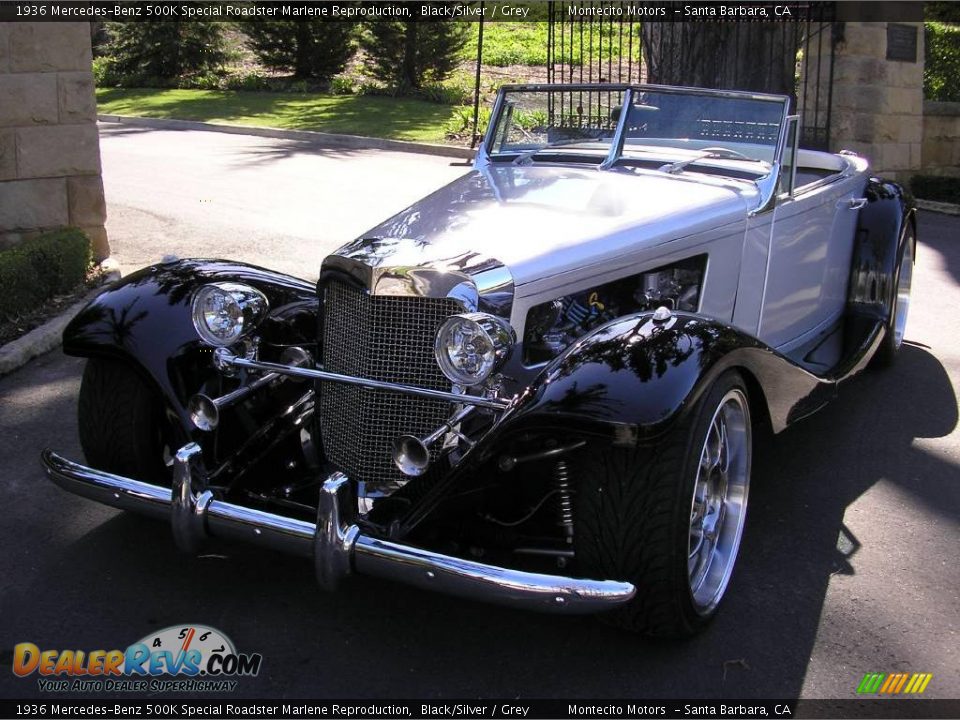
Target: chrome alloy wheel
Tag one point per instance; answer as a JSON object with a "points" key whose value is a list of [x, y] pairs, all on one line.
{"points": [[904, 283], [719, 504]]}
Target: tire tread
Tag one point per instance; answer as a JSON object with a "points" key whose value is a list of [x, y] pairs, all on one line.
{"points": [[633, 521], [118, 417]]}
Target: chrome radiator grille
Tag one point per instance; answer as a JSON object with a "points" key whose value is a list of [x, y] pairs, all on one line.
{"points": [[385, 338]]}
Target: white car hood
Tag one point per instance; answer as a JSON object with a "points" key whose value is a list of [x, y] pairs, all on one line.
{"points": [[544, 220]]}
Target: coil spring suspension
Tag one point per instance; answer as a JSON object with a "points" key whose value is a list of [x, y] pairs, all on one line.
{"points": [[563, 485]]}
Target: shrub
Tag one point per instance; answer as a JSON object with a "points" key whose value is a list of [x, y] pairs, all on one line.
{"points": [[317, 49], [247, 81], [942, 64], [446, 94], [407, 54], [144, 52], [460, 124], [208, 80], [342, 86], [934, 187], [104, 72], [39, 268]]}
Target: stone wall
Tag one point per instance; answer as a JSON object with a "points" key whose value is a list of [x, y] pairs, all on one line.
{"points": [[49, 146], [941, 138], [878, 103]]}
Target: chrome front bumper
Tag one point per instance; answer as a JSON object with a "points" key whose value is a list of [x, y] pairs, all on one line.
{"points": [[335, 542]]}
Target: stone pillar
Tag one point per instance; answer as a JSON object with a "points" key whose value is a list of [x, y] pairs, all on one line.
{"points": [[878, 95], [49, 146]]}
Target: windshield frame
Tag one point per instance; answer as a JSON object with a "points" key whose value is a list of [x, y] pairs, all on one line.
{"points": [[617, 142]]}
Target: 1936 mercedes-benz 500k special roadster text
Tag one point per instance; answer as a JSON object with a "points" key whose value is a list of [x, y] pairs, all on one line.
{"points": [[540, 385]]}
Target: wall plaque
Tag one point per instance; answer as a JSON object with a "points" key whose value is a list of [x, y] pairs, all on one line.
{"points": [[902, 42]]}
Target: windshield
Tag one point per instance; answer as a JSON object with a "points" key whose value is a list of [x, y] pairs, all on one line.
{"points": [[678, 126]]}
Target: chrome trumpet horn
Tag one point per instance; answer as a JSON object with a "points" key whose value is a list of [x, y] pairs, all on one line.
{"points": [[411, 454], [204, 411]]}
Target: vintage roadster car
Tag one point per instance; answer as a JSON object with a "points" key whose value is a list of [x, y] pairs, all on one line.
{"points": [[539, 385]]}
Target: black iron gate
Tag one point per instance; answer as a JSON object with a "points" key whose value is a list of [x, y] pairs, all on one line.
{"points": [[605, 42]]}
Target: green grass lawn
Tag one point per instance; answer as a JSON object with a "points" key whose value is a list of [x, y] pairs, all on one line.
{"points": [[372, 116], [525, 43], [508, 43]]}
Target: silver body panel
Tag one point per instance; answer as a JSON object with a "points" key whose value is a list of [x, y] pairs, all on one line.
{"points": [[779, 273], [809, 261], [542, 221]]}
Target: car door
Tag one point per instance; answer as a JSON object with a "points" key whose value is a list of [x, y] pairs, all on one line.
{"points": [[808, 264]]}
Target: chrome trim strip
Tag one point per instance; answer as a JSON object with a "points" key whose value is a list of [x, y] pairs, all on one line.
{"points": [[491, 127], [767, 185], [362, 258], [336, 544], [495, 291], [817, 184], [487, 583], [616, 147], [288, 535], [106, 488], [475, 280], [227, 359], [676, 89]]}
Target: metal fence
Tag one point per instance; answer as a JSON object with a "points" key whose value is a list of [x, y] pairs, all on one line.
{"points": [[601, 41]]}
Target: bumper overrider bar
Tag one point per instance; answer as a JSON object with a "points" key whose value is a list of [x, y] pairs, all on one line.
{"points": [[335, 543], [223, 358]]}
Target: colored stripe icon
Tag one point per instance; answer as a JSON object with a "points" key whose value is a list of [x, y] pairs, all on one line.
{"points": [[894, 683]]}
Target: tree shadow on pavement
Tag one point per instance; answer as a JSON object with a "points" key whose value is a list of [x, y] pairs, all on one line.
{"points": [[282, 149]]}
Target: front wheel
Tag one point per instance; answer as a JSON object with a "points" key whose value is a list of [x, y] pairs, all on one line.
{"points": [[669, 517], [123, 424]]}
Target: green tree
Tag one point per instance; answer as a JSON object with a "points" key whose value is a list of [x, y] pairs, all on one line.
{"points": [[407, 54], [165, 49], [316, 49], [948, 12], [941, 68]]}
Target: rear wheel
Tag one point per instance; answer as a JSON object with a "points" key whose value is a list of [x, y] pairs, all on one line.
{"points": [[903, 285], [123, 424], [669, 517]]}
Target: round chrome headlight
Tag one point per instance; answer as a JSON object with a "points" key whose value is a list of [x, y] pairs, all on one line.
{"points": [[470, 347], [225, 312]]}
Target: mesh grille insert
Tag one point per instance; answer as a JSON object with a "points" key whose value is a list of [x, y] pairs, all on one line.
{"points": [[384, 338]]}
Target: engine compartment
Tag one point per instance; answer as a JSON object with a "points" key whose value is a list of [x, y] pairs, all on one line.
{"points": [[553, 326]]}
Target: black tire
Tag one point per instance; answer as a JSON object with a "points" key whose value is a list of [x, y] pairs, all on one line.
{"points": [[634, 514], [889, 348], [123, 426]]}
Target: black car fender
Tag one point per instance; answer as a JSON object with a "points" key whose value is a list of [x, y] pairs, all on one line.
{"points": [[882, 227], [145, 320], [643, 374], [632, 379]]}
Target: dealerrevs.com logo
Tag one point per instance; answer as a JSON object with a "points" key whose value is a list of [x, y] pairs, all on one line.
{"points": [[186, 658]]}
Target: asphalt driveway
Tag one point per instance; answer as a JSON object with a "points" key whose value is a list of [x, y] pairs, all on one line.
{"points": [[850, 562], [281, 203]]}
